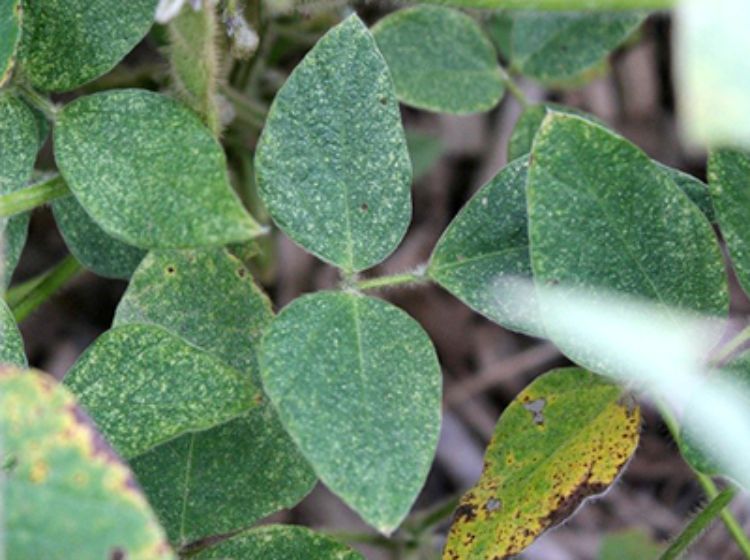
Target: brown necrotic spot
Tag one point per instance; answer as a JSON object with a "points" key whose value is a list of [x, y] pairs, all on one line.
{"points": [[171, 269], [467, 512]]}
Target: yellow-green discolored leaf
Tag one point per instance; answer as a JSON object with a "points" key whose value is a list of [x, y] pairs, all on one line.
{"points": [[66, 43], [148, 171], [11, 343], [290, 542], [729, 184], [332, 164], [558, 46], [440, 60], [487, 241], [66, 494], [564, 438], [229, 476], [357, 385], [605, 218], [18, 149], [144, 386], [10, 35], [93, 247]]}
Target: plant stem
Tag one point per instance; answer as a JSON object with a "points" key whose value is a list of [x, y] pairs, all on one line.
{"points": [[44, 286], [38, 101], [513, 88], [29, 198], [365, 538], [730, 522], [699, 523], [380, 282], [731, 346]]}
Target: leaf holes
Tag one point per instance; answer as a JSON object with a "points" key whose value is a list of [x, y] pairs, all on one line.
{"points": [[241, 272], [383, 100]]}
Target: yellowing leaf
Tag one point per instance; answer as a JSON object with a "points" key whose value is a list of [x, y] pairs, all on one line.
{"points": [[564, 438], [66, 494]]}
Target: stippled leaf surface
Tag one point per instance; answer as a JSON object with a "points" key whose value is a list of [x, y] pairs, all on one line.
{"points": [[10, 36], [93, 247], [332, 164], [226, 477], [290, 542], [559, 5], [603, 217], [531, 119], [487, 241], [695, 189], [18, 148], [144, 386], [11, 343], [528, 125], [440, 60], [634, 544], [357, 384], [553, 47], [148, 171], [729, 184], [66, 43], [712, 71], [564, 438], [66, 494]]}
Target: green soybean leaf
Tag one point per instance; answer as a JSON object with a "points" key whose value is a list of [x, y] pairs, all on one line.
{"points": [[11, 343], [529, 122], [531, 119], [486, 241], [146, 170], [729, 184], [229, 476], [695, 189], [553, 47], [629, 545], [424, 151], [357, 385], [18, 149], [290, 542], [144, 386], [10, 35], [440, 60], [563, 439], [91, 245], [66, 43], [604, 218], [332, 164], [713, 73], [55, 463]]}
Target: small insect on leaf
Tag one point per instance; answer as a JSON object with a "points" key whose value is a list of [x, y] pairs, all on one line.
{"points": [[563, 439]]}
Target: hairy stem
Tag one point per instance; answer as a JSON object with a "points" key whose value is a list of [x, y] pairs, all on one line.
{"points": [[29, 198], [194, 61], [730, 522], [43, 287], [699, 524]]}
